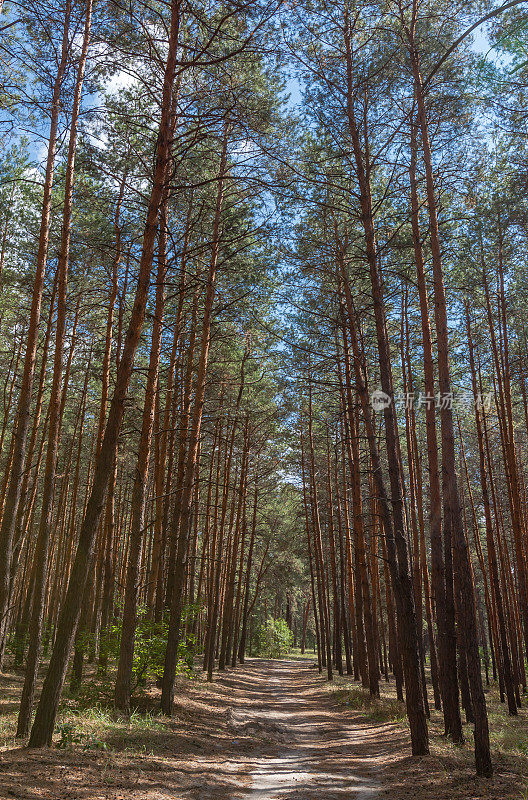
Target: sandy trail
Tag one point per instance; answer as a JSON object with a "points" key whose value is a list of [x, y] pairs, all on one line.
{"points": [[312, 751], [268, 730]]}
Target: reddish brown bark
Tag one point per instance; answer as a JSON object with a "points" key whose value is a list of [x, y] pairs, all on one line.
{"points": [[171, 656], [21, 424], [44, 722]]}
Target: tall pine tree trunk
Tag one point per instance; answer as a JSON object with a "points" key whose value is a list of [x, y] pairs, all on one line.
{"points": [[42, 730]]}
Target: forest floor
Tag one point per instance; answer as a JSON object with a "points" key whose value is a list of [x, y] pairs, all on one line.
{"points": [[271, 730]]}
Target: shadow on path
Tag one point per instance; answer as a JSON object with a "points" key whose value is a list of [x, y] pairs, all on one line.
{"points": [[313, 750]]}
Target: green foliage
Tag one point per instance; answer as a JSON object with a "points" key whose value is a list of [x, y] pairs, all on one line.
{"points": [[70, 736], [92, 694], [274, 638], [149, 648]]}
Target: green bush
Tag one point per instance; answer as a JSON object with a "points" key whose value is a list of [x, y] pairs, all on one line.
{"points": [[274, 638], [149, 649]]}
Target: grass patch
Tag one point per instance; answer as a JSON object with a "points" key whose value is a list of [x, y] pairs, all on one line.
{"points": [[296, 655], [99, 728], [87, 720], [509, 735], [377, 709]]}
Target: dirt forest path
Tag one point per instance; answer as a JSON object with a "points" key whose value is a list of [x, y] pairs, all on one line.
{"points": [[268, 730], [310, 748]]}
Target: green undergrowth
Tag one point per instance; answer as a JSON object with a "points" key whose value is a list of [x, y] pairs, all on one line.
{"points": [[296, 655], [87, 719], [93, 728], [377, 709], [509, 735], [101, 729]]}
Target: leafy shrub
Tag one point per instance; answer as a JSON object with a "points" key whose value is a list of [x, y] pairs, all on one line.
{"points": [[149, 649], [274, 638]]}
